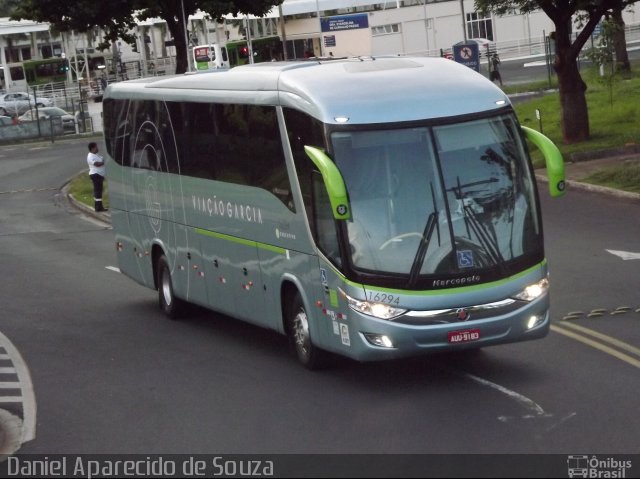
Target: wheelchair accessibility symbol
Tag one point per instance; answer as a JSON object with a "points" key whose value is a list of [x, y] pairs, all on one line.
{"points": [[465, 259]]}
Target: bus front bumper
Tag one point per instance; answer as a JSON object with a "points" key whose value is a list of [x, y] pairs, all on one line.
{"points": [[376, 339]]}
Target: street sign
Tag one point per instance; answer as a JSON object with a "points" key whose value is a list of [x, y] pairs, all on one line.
{"points": [[467, 54]]}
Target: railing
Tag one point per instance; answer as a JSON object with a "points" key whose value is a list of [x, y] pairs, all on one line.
{"points": [[534, 46]]}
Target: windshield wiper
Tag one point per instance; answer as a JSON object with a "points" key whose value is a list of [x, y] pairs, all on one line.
{"points": [[422, 249], [488, 242]]}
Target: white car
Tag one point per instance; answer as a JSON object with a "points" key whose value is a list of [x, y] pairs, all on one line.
{"points": [[17, 103], [485, 46], [68, 120]]}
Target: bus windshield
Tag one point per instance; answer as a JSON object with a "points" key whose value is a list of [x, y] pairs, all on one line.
{"points": [[440, 201]]}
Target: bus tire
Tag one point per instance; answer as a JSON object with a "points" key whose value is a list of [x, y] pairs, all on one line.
{"points": [[170, 305], [300, 339]]}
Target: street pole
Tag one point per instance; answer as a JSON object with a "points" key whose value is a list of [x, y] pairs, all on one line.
{"points": [[186, 39], [249, 42], [319, 25], [284, 34], [426, 24], [464, 23], [80, 106]]}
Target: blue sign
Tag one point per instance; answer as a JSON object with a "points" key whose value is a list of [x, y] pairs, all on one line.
{"points": [[465, 259], [467, 54], [344, 22]]}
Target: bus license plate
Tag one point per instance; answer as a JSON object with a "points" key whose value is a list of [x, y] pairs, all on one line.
{"points": [[465, 336]]}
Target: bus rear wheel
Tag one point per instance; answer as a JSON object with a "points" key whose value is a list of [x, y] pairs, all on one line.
{"points": [[170, 305], [300, 339]]}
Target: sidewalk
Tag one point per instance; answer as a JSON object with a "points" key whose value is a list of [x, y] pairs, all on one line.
{"points": [[576, 171]]}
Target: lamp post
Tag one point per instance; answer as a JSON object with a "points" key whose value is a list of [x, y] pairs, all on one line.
{"points": [[80, 109], [464, 22], [320, 25], [186, 39], [249, 40]]}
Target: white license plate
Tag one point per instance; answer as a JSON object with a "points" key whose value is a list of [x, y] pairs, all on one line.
{"points": [[466, 336]]}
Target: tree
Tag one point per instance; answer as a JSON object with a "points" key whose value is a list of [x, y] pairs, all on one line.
{"points": [[114, 17], [603, 54], [7, 7], [117, 18], [620, 41], [172, 12], [574, 114]]}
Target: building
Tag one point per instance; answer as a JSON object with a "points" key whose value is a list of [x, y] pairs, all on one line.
{"points": [[306, 28]]}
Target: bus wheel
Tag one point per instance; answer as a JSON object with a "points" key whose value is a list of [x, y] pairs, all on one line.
{"points": [[308, 354], [171, 305]]}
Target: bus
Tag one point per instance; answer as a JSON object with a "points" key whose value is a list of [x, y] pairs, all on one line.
{"points": [[54, 70], [210, 57], [265, 49], [373, 208]]}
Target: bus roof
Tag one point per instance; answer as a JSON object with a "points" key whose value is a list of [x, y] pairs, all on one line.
{"points": [[364, 90]]}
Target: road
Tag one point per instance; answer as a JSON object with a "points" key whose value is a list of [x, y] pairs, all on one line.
{"points": [[530, 69], [112, 375]]}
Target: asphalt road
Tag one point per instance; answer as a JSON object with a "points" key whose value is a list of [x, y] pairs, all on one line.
{"points": [[529, 69], [112, 375]]}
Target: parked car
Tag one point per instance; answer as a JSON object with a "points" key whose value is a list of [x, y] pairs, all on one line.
{"points": [[68, 120], [485, 47], [17, 103]]}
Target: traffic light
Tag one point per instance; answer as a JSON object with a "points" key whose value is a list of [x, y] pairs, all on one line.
{"points": [[64, 66], [244, 52]]}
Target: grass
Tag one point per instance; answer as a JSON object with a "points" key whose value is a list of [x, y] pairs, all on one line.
{"points": [[82, 190], [613, 124], [624, 177]]}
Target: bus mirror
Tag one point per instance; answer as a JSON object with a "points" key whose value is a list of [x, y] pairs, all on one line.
{"points": [[552, 158], [333, 182]]}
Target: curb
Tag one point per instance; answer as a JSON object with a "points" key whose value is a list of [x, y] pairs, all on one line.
{"points": [[103, 217], [577, 185]]}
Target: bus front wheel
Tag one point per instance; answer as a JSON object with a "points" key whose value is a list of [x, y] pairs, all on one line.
{"points": [[170, 305], [308, 353]]}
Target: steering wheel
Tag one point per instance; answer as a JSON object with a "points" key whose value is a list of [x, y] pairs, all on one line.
{"points": [[400, 238]]}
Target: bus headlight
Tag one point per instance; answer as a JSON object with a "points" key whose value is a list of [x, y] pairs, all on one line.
{"points": [[534, 290], [377, 310]]}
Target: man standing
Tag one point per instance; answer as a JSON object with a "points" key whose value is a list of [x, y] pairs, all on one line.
{"points": [[494, 68], [96, 173]]}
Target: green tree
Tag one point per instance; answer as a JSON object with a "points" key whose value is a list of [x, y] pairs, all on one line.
{"points": [[118, 17], [114, 17], [574, 114], [603, 55], [7, 7]]}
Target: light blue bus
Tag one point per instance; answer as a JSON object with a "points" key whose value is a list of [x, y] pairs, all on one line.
{"points": [[375, 208]]}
